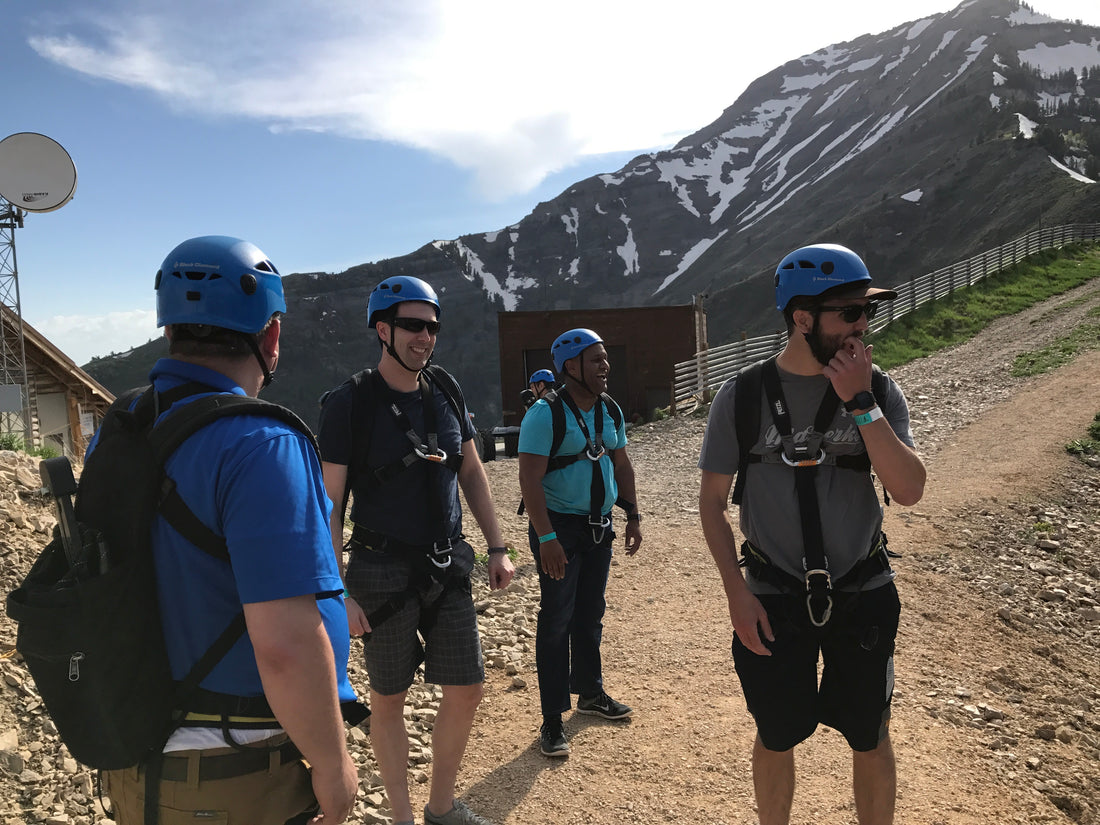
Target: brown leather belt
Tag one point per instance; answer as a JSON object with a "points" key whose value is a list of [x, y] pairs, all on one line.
{"points": [[229, 765]]}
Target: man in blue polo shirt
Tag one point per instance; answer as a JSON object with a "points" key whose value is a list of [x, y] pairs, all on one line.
{"points": [[568, 497], [256, 481]]}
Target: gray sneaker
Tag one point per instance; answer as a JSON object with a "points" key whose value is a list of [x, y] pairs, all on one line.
{"points": [[458, 815], [552, 741], [603, 705]]}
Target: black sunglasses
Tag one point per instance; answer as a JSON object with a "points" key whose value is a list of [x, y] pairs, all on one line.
{"points": [[417, 325], [851, 313]]}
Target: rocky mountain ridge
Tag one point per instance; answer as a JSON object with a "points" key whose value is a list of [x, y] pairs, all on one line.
{"points": [[904, 145]]}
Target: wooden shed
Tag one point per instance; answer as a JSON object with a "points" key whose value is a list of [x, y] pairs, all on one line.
{"points": [[644, 344], [64, 403]]}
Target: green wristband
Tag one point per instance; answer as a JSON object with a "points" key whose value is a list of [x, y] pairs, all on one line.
{"points": [[547, 537], [863, 419]]}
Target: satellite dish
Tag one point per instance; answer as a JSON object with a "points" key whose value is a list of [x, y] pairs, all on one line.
{"points": [[36, 173]]}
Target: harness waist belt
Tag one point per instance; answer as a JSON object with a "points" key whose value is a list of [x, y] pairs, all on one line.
{"points": [[381, 543], [581, 518], [229, 765], [208, 702], [876, 561]]}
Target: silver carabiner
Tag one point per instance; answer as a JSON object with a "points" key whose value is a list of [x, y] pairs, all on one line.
{"points": [[805, 462], [439, 457], [446, 551], [828, 611]]}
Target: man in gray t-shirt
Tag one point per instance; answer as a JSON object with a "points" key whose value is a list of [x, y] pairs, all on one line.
{"points": [[821, 516]]}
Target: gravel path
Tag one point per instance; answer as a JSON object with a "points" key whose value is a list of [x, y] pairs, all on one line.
{"points": [[997, 711]]}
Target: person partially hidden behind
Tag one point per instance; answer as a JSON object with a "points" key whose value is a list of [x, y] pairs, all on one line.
{"points": [[818, 579], [540, 383]]}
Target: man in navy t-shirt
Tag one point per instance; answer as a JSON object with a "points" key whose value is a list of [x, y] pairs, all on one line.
{"points": [[405, 455]]}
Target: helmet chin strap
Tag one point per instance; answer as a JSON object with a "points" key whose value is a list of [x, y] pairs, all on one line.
{"points": [[581, 380], [393, 354], [269, 376]]}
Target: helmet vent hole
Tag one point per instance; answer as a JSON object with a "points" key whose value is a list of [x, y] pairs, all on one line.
{"points": [[248, 284], [827, 267], [194, 296]]}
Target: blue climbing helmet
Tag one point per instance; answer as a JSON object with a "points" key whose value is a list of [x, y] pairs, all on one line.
{"points": [[396, 290], [815, 269], [541, 375], [571, 344], [218, 281]]}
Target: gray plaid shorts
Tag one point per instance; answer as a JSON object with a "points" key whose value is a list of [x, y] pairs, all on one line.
{"points": [[450, 648]]}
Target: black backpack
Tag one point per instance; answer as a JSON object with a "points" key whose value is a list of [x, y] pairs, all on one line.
{"points": [[89, 621]]}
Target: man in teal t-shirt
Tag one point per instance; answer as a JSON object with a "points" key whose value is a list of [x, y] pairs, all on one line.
{"points": [[568, 497]]}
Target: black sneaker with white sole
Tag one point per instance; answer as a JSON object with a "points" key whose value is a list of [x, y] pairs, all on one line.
{"points": [[603, 705], [552, 741]]}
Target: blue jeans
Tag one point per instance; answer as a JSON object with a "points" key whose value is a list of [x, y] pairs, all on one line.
{"points": [[570, 624]]}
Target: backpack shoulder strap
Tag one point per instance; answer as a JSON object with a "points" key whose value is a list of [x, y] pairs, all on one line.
{"points": [[746, 416], [557, 420], [168, 435], [442, 379], [613, 409]]}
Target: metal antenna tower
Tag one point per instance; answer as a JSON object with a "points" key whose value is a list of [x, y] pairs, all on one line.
{"points": [[13, 354]]}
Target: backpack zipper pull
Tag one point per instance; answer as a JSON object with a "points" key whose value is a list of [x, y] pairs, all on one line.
{"points": [[74, 666]]}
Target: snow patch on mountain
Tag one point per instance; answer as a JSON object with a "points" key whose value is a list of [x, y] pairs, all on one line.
{"points": [[477, 271], [1077, 176], [1053, 59], [918, 28], [689, 258], [629, 250], [1027, 126]]}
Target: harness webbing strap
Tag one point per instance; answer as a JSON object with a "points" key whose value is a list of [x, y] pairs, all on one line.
{"points": [[426, 580], [805, 458], [426, 449], [761, 567], [594, 452]]}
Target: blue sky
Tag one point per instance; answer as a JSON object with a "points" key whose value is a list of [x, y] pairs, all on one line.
{"points": [[335, 132]]}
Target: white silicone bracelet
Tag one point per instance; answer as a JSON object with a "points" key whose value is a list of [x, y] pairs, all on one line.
{"points": [[873, 414]]}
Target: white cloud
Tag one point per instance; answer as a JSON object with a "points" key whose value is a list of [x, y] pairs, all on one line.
{"points": [[510, 91], [84, 337]]}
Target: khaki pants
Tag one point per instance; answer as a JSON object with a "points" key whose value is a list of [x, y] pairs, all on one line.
{"points": [[265, 797]]}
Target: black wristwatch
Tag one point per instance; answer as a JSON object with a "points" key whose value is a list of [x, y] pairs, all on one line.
{"points": [[862, 401], [635, 516]]}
